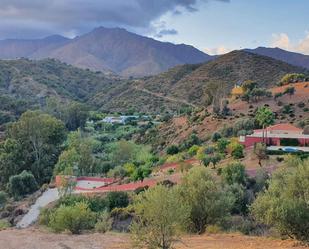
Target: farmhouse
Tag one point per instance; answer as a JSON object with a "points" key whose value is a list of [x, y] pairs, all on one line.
{"points": [[277, 135]]}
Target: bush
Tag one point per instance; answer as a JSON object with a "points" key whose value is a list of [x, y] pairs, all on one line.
{"points": [[234, 173], [117, 200], [193, 150], [104, 223], [238, 152], [22, 184], [3, 199], [73, 218], [172, 150], [284, 205], [216, 136], [4, 225]]}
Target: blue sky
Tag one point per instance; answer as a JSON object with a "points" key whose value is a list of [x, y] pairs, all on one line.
{"points": [[214, 26], [243, 24]]}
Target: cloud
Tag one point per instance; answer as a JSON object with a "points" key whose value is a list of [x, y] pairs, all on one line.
{"points": [[39, 17], [283, 41], [217, 51], [165, 32]]}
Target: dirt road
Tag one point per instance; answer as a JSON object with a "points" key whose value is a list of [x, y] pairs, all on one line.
{"points": [[33, 238]]}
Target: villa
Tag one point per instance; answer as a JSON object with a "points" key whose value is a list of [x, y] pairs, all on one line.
{"points": [[277, 137]]}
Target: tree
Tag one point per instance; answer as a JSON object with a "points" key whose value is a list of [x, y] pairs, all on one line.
{"points": [[290, 91], [158, 218], [234, 173], [260, 150], [238, 152], [249, 85], [207, 201], [172, 150], [117, 200], [11, 160], [75, 116], [3, 199], [40, 137], [222, 144], [264, 116], [284, 204]]}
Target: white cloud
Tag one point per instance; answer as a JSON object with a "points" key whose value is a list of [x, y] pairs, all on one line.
{"points": [[283, 41], [217, 50]]}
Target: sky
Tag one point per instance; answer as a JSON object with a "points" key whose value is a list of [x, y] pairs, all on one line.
{"points": [[213, 26]]}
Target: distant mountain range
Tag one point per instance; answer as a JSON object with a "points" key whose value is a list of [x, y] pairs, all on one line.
{"points": [[292, 58], [115, 50], [108, 50]]}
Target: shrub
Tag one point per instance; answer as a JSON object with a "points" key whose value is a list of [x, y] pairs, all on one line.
{"points": [[238, 152], [234, 173], [3, 199], [172, 150], [209, 204], [213, 229], [284, 205], [104, 223], [193, 150], [222, 145], [4, 225], [216, 136], [117, 200], [22, 184], [73, 218]]}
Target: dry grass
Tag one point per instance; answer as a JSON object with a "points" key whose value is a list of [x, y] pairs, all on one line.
{"points": [[37, 239]]}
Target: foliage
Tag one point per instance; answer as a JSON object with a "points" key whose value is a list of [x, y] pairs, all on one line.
{"points": [[39, 137], [193, 150], [234, 173], [22, 184], [158, 218], [238, 151], [117, 200], [222, 144], [284, 204], [292, 78], [264, 116], [104, 222], [209, 204], [172, 150], [73, 218], [3, 199], [260, 150]]}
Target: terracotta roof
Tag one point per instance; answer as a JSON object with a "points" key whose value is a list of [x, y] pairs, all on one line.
{"points": [[281, 127], [284, 127]]}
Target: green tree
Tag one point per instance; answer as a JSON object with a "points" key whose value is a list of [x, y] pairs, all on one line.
{"points": [[290, 91], [12, 160], [208, 203], [264, 116], [3, 199], [172, 150], [234, 173], [158, 218], [40, 137], [284, 204]]}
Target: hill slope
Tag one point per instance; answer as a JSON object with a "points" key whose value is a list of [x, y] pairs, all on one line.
{"points": [[107, 49], [192, 85], [292, 58], [26, 84]]}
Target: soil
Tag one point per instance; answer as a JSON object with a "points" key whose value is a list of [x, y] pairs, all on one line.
{"points": [[33, 238]]}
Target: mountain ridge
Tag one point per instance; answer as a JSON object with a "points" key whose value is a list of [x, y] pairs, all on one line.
{"points": [[108, 49]]}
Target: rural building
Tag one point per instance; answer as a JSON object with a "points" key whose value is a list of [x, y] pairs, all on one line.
{"points": [[277, 135]]}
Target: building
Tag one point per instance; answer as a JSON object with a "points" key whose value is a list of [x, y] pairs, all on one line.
{"points": [[277, 135]]}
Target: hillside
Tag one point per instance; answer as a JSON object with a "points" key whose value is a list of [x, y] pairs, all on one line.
{"points": [[292, 58], [193, 85], [107, 49], [26, 84]]}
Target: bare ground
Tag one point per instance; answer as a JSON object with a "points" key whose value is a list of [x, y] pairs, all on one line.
{"points": [[34, 238]]}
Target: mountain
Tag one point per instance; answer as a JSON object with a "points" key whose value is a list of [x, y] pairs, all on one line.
{"points": [[107, 49], [193, 85], [292, 58], [25, 84], [15, 48]]}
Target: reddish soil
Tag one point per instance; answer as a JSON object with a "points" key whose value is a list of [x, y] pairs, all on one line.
{"points": [[34, 238]]}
